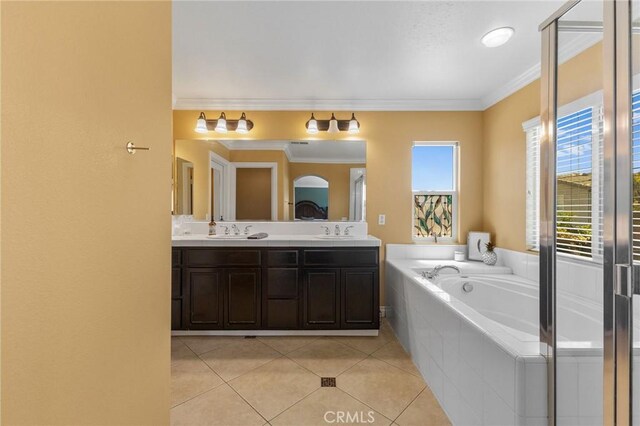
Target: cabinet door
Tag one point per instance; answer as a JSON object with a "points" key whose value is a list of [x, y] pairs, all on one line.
{"points": [[321, 298], [242, 298], [205, 298], [360, 298], [176, 298]]}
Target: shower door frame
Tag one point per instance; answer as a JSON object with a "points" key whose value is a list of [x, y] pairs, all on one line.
{"points": [[619, 273]]}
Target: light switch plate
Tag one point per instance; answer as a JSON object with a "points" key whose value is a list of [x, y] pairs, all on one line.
{"points": [[382, 219]]}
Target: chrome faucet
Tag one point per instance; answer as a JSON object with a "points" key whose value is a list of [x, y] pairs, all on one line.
{"points": [[326, 229], [337, 230], [346, 230], [246, 229], [236, 230], [436, 271], [226, 229]]}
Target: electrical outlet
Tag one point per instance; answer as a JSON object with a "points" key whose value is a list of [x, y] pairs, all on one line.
{"points": [[382, 219]]}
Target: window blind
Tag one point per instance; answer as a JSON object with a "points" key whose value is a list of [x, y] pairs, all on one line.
{"points": [[533, 187], [574, 183], [635, 134]]}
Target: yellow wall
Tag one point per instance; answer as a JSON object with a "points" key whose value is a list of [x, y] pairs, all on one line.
{"points": [[85, 314], [197, 152], [389, 137], [338, 177], [504, 170]]}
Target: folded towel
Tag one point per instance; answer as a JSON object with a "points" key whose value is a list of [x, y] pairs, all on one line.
{"points": [[258, 236]]}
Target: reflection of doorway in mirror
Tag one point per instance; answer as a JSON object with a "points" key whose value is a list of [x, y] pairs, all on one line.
{"points": [[357, 191], [184, 195]]}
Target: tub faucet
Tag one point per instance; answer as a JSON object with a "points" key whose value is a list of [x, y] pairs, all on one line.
{"points": [[436, 271]]}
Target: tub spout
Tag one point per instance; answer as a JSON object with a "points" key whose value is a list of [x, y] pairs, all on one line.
{"points": [[436, 271]]}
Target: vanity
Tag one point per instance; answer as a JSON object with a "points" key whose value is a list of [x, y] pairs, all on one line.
{"points": [[317, 272], [295, 284]]}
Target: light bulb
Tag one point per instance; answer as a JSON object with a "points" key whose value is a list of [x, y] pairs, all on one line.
{"points": [[333, 125], [354, 126], [221, 126], [312, 125], [201, 124], [242, 124]]}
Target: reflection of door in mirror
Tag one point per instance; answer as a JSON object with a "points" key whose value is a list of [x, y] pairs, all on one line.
{"points": [[311, 198], [253, 194], [356, 194], [184, 187]]}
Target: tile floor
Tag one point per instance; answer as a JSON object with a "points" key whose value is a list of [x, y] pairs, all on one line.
{"points": [[276, 381]]}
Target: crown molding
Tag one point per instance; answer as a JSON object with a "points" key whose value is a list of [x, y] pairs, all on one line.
{"points": [[328, 104], [567, 51]]}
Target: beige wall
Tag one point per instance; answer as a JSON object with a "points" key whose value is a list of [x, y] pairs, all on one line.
{"points": [[504, 169], [389, 137], [197, 152], [85, 314], [338, 177], [253, 194]]}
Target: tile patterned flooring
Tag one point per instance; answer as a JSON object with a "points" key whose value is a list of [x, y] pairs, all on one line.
{"points": [[276, 381]]}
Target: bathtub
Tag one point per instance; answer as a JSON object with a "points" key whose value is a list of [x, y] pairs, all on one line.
{"points": [[479, 349]]}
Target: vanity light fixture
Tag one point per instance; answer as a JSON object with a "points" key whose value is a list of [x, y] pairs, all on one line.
{"points": [[333, 125], [497, 37], [222, 125]]}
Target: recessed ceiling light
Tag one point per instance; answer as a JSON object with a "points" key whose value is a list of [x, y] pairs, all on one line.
{"points": [[497, 37]]}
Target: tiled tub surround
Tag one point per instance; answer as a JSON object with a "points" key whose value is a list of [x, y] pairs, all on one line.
{"points": [[482, 362]]}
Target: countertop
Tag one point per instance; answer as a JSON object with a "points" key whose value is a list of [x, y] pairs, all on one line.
{"points": [[199, 240]]}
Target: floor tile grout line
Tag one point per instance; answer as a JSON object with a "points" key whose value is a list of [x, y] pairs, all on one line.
{"points": [[408, 405], [363, 403], [248, 403], [296, 403], [195, 396]]}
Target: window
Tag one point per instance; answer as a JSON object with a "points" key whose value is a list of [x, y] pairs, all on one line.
{"points": [[578, 179], [435, 194], [635, 128]]}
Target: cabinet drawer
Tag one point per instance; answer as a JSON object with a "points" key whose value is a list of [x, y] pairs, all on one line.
{"points": [[282, 283], [176, 257], [282, 258], [282, 313], [176, 282], [332, 257], [224, 257]]}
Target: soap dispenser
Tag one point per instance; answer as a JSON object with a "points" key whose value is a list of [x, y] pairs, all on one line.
{"points": [[212, 227]]}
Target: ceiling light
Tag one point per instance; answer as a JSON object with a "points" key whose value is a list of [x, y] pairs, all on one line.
{"points": [[333, 125], [201, 125], [497, 37], [312, 125], [242, 124], [354, 126], [221, 127]]}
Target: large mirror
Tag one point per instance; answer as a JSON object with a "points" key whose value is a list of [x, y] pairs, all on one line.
{"points": [[258, 180]]}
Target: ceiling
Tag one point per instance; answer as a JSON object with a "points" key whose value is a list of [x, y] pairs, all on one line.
{"points": [[350, 55]]}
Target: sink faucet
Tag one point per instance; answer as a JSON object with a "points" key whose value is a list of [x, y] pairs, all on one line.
{"points": [[226, 229], [337, 230], [346, 230], [236, 230], [436, 271], [326, 229], [246, 229]]}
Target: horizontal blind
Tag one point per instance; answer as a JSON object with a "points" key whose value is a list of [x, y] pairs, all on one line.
{"points": [[574, 174], [635, 134], [533, 187]]}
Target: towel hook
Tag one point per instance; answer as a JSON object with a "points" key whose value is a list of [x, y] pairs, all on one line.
{"points": [[131, 148]]}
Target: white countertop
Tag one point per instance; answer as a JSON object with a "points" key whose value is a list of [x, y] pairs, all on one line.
{"points": [[199, 240]]}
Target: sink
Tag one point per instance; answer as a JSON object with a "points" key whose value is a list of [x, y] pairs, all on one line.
{"points": [[227, 237], [336, 237]]}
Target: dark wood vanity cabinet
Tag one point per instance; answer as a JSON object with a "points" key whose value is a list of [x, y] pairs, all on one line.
{"points": [[275, 288]]}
